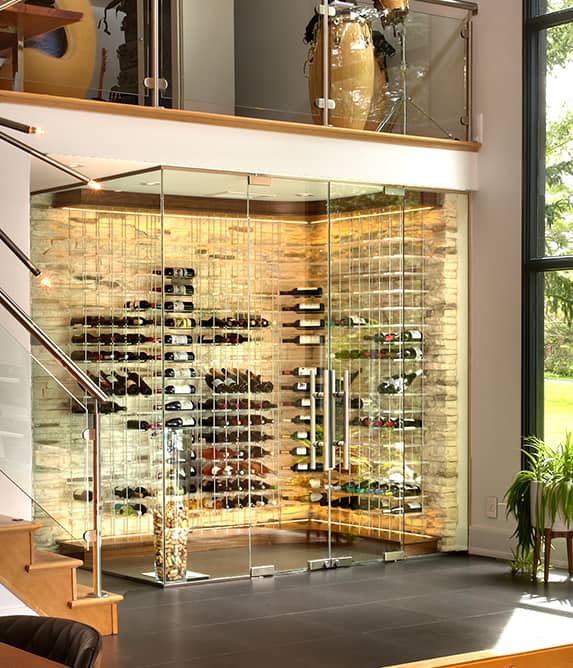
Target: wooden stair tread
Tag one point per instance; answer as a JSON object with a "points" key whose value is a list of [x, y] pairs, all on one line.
{"points": [[84, 599], [8, 524], [43, 560]]}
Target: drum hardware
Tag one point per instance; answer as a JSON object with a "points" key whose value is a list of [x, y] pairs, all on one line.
{"points": [[400, 105]]}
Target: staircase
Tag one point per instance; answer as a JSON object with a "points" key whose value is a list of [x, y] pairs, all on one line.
{"points": [[46, 582]]}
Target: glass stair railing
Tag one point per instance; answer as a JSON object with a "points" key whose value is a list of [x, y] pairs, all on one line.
{"points": [[49, 423]]}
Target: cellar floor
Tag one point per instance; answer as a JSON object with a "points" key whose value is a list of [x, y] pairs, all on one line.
{"points": [[226, 553], [367, 616]]}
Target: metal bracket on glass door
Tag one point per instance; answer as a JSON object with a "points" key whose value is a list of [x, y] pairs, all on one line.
{"points": [[345, 443], [319, 103], [313, 443], [329, 10], [323, 564]]}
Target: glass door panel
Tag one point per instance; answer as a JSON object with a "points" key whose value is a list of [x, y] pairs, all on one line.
{"points": [[288, 281], [367, 310], [205, 229]]}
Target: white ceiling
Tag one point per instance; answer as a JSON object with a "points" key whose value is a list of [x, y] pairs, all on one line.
{"points": [[188, 182]]}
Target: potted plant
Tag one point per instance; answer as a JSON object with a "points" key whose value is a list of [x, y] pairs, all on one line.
{"points": [[540, 496]]}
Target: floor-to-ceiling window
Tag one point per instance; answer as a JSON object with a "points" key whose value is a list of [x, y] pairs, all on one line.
{"points": [[548, 232]]}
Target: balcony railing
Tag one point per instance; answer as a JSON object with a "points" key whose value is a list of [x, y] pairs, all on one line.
{"points": [[378, 65]]}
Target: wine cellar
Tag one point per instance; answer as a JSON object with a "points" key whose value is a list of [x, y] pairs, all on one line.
{"points": [[285, 365]]}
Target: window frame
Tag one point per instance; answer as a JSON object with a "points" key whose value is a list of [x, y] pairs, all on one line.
{"points": [[535, 263]]}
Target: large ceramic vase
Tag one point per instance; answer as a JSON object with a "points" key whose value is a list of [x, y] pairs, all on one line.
{"points": [[352, 68]]}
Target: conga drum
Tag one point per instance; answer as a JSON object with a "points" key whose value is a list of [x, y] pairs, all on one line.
{"points": [[379, 104], [351, 69], [392, 11]]}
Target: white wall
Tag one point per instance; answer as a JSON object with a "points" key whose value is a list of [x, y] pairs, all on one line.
{"points": [[495, 273], [15, 386]]}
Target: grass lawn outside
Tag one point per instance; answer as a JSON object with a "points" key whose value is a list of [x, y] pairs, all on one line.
{"points": [[558, 408]]}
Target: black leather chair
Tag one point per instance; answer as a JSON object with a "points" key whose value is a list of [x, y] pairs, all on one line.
{"points": [[62, 640]]}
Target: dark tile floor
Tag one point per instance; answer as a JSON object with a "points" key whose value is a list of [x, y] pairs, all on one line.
{"points": [[363, 617]]}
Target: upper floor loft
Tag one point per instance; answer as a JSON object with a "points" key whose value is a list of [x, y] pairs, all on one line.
{"points": [[379, 66]]}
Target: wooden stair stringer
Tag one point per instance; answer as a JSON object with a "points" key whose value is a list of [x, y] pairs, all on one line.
{"points": [[47, 582]]}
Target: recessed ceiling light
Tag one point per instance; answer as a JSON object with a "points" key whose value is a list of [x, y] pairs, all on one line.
{"points": [[151, 183], [303, 194], [76, 164]]}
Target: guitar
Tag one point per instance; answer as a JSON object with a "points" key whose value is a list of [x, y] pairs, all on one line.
{"points": [[68, 74]]}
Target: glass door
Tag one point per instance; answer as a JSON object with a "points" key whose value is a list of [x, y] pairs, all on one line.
{"points": [[375, 355], [288, 265]]}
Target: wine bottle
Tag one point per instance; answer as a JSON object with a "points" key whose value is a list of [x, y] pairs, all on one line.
{"points": [[348, 354], [179, 389], [383, 337], [178, 339], [222, 421], [180, 422], [352, 321], [127, 339], [398, 383], [305, 402], [256, 419], [302, 386], [93, 321], [142, 424], [181, 323], [142, 386], [258, 321], [85, 337], [217, 381], [305, 324], [306, 307], [119, 384], [257, 384], [303, 371], [410, 354], [180, 356], [177, 307], [258, 468], [304, 451], [134, 321], [176, 272], [305, 340], [183, 372], [304, 467], [109, 355], [301, 419], [254, 451], [235, 380], [412, 335], [231, 338], [105, 407], [131, 383], [182, 405], [101, 382], [140, 305], [213, 321], [300, 436], [176, 289], [306, 292]]}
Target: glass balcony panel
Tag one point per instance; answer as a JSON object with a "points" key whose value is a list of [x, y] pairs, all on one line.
{"points": [[248, 58]]}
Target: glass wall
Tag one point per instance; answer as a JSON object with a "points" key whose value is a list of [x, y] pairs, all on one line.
{"points": [[548, 220], [391, 65], [285, 366]]}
